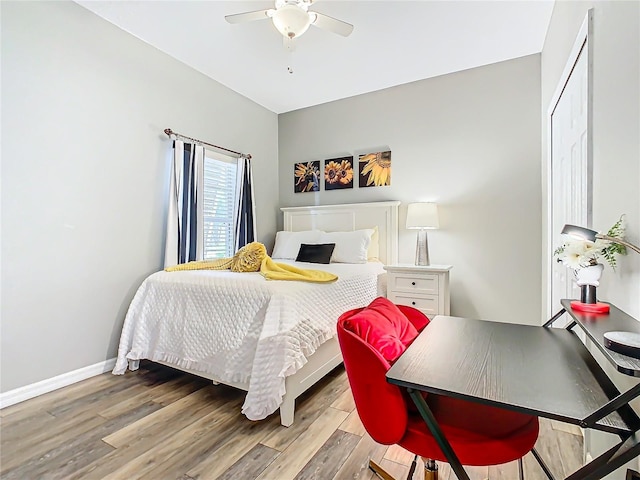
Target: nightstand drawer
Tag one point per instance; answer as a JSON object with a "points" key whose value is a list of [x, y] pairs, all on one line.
{"points": [[425, 287], [423, 284], [427, 304]]}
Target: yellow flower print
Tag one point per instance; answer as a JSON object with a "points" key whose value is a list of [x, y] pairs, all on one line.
{"points": [[378, 167], [307, 177], [331, 172], [345, 172]]}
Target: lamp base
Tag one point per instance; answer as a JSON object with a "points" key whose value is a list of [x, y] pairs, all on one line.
{"points": [[626, 343], [422, 249], [590, 307]]}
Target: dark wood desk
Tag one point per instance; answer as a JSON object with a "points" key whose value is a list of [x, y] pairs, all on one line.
{"points": [[546, 372]]}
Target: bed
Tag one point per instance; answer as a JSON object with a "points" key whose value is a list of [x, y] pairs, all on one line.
{"points": [[274, 339]]}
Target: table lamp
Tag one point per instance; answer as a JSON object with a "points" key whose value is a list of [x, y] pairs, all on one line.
{"points": [[592, 236], [626, 343], [422, 216]]}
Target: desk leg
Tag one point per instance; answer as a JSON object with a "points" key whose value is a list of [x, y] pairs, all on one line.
{"points": [[436, 431], [554, 318], [609, 461]]}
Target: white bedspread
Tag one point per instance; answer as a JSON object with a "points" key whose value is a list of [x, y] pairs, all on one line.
{"points": [[239, 326]]}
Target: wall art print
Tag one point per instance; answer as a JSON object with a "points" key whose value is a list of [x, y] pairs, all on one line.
{"points": [[306, 177], [375, 169], [338, 173]]}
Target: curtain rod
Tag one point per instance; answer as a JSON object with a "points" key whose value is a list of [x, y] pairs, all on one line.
{"points": [[170, 132]]}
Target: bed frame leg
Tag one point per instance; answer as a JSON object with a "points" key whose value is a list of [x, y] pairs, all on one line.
{"points": [[287, 409]]}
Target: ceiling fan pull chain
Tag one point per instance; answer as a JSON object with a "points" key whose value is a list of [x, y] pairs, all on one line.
{"points": [[290, 46]]}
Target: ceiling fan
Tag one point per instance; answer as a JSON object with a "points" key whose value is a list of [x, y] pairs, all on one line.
{"points": [[292, 18]]}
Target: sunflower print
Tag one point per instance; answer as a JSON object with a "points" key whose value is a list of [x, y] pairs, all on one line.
{"points": [[331, 172], [338, 173], [345, 172], [378, 168], [307, 177]]}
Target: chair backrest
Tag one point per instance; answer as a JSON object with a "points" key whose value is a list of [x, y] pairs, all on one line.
{"points": [[371, 339]]}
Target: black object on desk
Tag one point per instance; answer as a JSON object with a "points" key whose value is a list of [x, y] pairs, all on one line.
{"points": [[546, 372], [626, 343]]}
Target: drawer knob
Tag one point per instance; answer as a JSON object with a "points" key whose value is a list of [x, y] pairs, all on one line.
{"points": [[413, 303], [413, 283]]}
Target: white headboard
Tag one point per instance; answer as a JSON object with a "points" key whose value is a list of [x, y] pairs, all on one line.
{"points": [[348, 217]]}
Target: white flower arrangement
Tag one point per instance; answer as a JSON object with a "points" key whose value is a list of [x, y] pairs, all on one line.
{"points": [[578, 253]]}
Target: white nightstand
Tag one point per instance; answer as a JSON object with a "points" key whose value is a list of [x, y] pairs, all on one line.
{"points": [[425, 288]]}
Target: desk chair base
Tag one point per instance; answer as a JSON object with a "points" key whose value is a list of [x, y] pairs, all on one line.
{"points": [[430, 470]]}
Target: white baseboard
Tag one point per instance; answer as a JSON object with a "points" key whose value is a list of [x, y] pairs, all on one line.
{"points": [[35, 389]]}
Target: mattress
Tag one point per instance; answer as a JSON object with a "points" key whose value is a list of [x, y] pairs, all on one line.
{"points": [[241, 327]]}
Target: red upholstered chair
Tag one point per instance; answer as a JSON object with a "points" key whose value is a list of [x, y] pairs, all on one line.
{"points": [[371, 339]]}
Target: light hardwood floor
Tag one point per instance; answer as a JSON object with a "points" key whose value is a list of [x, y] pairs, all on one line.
{"points": [[159, 424]]}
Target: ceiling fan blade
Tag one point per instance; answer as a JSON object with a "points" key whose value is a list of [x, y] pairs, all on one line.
{"points": [[249, 16], [332, 24]]}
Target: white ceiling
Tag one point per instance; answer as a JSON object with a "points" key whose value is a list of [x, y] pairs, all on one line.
{"points": [[394, 42]]}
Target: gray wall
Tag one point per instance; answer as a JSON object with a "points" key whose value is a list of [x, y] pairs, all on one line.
{"points": [[85, 175], [616, 144], [469, 141]]}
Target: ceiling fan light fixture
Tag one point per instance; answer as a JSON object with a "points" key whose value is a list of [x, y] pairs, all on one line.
{"points": [[291, 20]]}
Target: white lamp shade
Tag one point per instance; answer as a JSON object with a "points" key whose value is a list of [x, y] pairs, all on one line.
{"points": [[291, 20], [422, 215]]}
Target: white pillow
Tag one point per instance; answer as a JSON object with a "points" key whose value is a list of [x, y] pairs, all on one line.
{"points": [[373, 252], [351, 247], [288, 244]]}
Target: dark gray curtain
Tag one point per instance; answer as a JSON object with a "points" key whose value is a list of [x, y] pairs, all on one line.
{"points": [[245, 224], [183, 242]]}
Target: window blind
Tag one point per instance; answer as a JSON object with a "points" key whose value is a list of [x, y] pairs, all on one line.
{"points": [[219, 201]]}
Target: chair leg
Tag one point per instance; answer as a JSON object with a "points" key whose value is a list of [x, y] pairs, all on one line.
{"points": [[520, 469], [430, 469], [379, 471]]}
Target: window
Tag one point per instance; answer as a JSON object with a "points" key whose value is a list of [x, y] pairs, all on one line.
{"points": [[219, 202]]}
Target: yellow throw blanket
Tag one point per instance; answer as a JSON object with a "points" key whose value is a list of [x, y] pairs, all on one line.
{"points": [[281, 271], [252, 258]]}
